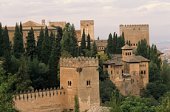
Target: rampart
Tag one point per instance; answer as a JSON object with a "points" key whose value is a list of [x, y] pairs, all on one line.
{"points": [[41, 100]]}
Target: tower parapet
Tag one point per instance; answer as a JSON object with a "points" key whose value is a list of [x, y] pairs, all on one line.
{"points": [[79, 62], [134, 25], [36, 94]]}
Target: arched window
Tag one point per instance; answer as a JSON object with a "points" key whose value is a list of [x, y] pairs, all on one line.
{"points": [[69, 83], [88, 82]]}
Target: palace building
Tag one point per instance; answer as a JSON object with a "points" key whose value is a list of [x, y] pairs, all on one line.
{"points": [[129, 72]]}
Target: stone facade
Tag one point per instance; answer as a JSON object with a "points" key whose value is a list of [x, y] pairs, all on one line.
{"points": [[135, 33], [88, 25], [101, 45], [130, 73], [78, 77]]}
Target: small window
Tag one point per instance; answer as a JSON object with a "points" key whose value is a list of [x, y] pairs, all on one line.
{"points": [[141, 72], [88, 82], [111, 71], [69, 83], [144, 72]]}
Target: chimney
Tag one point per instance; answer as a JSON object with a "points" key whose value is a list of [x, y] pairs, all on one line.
{"points": [[43, 22]]}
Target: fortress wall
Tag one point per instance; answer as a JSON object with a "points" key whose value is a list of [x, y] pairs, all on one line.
{"points": [[41, 101]]}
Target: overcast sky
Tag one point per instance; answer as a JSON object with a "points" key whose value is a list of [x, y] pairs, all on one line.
{"points": [[107, 14]]}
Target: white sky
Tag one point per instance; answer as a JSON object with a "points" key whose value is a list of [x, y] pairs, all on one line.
{"points": [[107, 14]]}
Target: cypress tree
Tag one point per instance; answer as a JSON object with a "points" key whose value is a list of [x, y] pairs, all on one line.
{"points": [[74, 41], [115, 43], [1, 41], [45, 48], [6, 47], [18, 47], [109, 48], [54, 60], [21, 29], [39, 44], [83, 42], [94, 50], [51, 40], [142, 48], [76, 104], [65, 43], [88, 42], [69, 41], [30, 47]]}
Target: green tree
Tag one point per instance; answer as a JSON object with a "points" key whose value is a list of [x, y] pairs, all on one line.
{"points": [[18, 47], [24, 81], [155, 89], [53, 63], [115, 104], [94, 49], [76, 105], [142, 48], [45, 47], [74, 41], [1, 40], [115, 43], [6, 49], [106, 90], [88, 42], [30, 46], [154, 72], [165, 103], [137, 104], [51, 40], [39, 44], [69, 41], [6, 93], [83, 43], [20, 29], [165, 71], [110, 46], [38, 73]]}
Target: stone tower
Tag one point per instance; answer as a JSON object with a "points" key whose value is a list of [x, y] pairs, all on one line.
{"points": [[135, 33], [80, 77], [88, 26], [126, 52]]}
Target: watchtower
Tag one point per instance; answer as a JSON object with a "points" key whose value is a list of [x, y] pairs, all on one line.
{"points": [[80, 77], [135, 33], [88, 26]]}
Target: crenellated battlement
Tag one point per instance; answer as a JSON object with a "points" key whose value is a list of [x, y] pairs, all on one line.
{"points": [[35, 94], [85, 22], [134, 25], [79, 62]]}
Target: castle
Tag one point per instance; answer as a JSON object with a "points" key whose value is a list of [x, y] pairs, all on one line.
{"points": [[87, 25], [78, 77], [129, 73]]}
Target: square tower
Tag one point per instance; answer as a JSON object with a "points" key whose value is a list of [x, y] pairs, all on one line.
{"points": [[80, 77], [135, 33], [88, 26]]}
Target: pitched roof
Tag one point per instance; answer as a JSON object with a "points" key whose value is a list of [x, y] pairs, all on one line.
{"points": [[127, 47], [135, 59], [31, 24]]}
